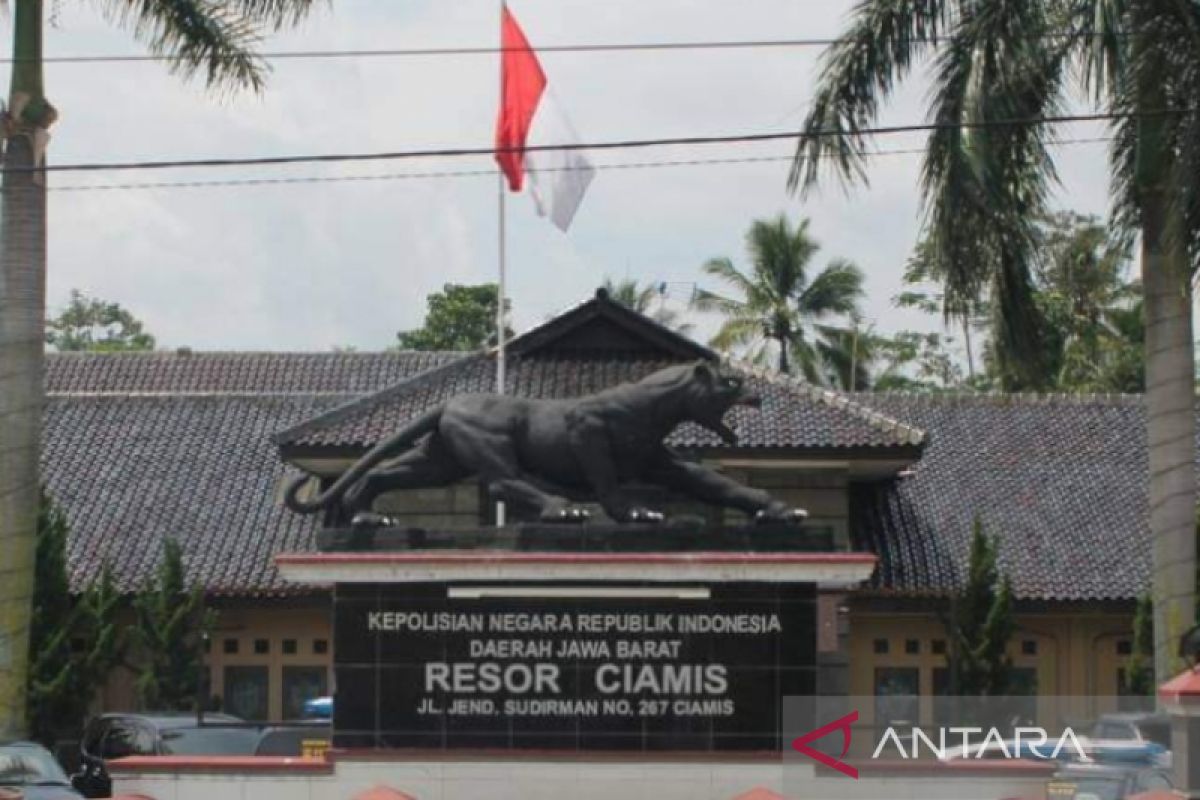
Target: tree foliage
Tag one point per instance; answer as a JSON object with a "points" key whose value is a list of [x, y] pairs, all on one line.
{"points": [[1137, 679], [74, 643], [778, 305], [1091, 311], [171, 624], [647, 299], [458, 318], [981, 623], [92, 324]]}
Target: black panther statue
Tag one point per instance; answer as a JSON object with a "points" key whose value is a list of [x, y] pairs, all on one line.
{"points": [[535, 454]]}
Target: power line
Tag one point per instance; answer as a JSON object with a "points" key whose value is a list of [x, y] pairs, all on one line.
{"points": [[473, 173], [625, 144], [426, 52]]}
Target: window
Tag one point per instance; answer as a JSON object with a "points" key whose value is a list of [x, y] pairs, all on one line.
{"points": [[126, 738], [230, 647], [1124, 647], [246, 692], [320, 646], [301, 684], [1029, 647], [912, 647], [1114, 730], [262, 647], [896, 696], [938, 647], [289, 647], [881, 647]]}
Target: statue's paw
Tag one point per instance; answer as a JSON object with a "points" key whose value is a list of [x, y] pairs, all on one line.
{"points": [[778, 512], [645, 515], [369, 519], [577, 514]]}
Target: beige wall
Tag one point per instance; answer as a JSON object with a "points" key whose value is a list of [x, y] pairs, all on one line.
{"points": [[277, 628], [1075, 654]]}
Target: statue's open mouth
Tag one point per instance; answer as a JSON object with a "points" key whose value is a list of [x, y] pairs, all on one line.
{"points": [[752, 400], [727, 434]]}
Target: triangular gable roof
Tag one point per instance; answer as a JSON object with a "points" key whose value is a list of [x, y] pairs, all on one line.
{"points": [[602, 325], [594, 346]]}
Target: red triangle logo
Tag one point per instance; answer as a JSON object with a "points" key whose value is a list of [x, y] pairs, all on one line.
{"points": [[801, 744]]}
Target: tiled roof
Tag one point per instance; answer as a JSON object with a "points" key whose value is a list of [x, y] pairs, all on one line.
{"points": [[224, 373], [132, 470], [1061, 480], [141, 446], [793, 415]]}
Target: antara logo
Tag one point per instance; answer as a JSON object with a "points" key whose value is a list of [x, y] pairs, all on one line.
{"points": [[1026, 742], [801, 744]]}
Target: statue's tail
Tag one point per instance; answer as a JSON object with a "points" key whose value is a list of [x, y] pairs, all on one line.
{"points": [[383, 450]]}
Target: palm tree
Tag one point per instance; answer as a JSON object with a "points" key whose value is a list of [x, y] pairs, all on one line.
{"points": [[985, 182], [781, 305], [645, 299], [216, 40]]}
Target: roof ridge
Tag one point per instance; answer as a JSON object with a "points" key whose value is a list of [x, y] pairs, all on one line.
{"points": [[669, 338], [184, 353], [184, 394], [907, 433], [962, 397], [340, 412]]}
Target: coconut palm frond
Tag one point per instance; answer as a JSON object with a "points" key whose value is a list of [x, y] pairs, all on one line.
{"points": [[199, 37], [884, 41], [277, 14], [837, 289], [704, 300], [737, 331], [985, 182], [724, 269]]}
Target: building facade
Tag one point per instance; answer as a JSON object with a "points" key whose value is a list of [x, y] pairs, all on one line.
{"points": [[198, 446]]}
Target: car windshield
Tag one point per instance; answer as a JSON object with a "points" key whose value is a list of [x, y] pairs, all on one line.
{"points": [[28, 766], [210, 741]]}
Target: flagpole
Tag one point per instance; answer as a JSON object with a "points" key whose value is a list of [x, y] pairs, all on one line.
{"points": [[501, 359]]}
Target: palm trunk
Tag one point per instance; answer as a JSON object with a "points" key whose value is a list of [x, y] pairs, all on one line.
{"points": [[22, 311], [783, 355], [1170, 381], [1171, 429]]}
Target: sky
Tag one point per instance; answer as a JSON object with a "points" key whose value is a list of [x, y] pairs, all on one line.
{"points": [[312, 266]]}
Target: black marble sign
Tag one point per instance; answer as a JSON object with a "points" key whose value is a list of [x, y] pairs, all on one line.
{"points": [[416, 667]]}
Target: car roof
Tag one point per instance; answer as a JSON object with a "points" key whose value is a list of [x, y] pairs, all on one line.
{"points": [[181, 719], [1134, 716], [22, 743]]}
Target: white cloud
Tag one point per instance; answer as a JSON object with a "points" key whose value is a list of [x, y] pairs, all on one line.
{"points": [[314, 265]]}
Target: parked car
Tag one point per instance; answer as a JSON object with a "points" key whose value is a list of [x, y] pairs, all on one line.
{"points": [[309, 739], [113, 736], [1137, 738], [1011, 749], [30, 769], [1106, 781]]}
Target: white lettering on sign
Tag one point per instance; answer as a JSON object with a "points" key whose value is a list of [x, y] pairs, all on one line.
{"points": [[436, 622], [489, 677], [664, 679]]}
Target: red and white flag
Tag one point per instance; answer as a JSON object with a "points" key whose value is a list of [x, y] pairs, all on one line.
{"points": [[530, 116]]}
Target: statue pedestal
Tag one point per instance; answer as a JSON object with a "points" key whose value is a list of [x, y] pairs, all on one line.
{"points": [[574, 638], [668, 537]]}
